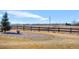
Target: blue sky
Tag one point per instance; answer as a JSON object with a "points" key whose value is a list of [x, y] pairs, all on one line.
{"points": [[41, 16]]}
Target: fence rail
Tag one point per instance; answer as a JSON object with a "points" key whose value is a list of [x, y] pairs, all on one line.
{"points": [[53, 29]]}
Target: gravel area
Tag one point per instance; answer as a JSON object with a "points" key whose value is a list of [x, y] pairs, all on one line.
{"points": [[26, 35]]}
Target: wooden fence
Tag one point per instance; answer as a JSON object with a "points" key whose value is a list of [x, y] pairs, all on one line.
{"points": [[53, 29]]}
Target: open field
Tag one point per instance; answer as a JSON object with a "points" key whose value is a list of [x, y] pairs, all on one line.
{"points": [[35, 39]]}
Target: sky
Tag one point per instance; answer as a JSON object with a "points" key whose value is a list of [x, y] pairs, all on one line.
{"points": [[41, 16]]}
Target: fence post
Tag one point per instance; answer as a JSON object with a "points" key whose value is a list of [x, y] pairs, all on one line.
{"points": [[17, 27], [23, 27], [38, 28], [70, 30], [31, 28], [48, 29], [58, 29]]}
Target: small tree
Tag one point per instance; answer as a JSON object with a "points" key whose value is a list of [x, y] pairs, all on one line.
{"points": [[5, 24]]}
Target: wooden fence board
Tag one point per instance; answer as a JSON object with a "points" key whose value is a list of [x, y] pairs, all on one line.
{"points": [[59, 29]]}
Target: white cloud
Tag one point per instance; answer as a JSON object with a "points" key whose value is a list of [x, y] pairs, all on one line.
{"points": [[76, 21], [26, 14], [0, 15]]}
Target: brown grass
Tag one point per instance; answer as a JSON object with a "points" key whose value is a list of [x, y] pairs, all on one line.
{"points": [[55, 40]]}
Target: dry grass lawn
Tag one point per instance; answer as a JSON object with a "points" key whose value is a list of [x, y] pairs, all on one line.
{"points": [[54, 40]]}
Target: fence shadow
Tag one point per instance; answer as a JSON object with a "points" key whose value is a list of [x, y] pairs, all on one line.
{"points": [[12, 33]]}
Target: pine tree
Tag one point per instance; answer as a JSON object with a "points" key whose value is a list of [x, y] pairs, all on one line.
{"points": [[5, 24]]}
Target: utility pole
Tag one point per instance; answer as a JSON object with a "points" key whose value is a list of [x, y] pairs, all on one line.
{"points": [[49, 21]]}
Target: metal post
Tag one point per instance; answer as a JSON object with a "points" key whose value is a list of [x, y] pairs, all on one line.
{"points": [[49, 23]]}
